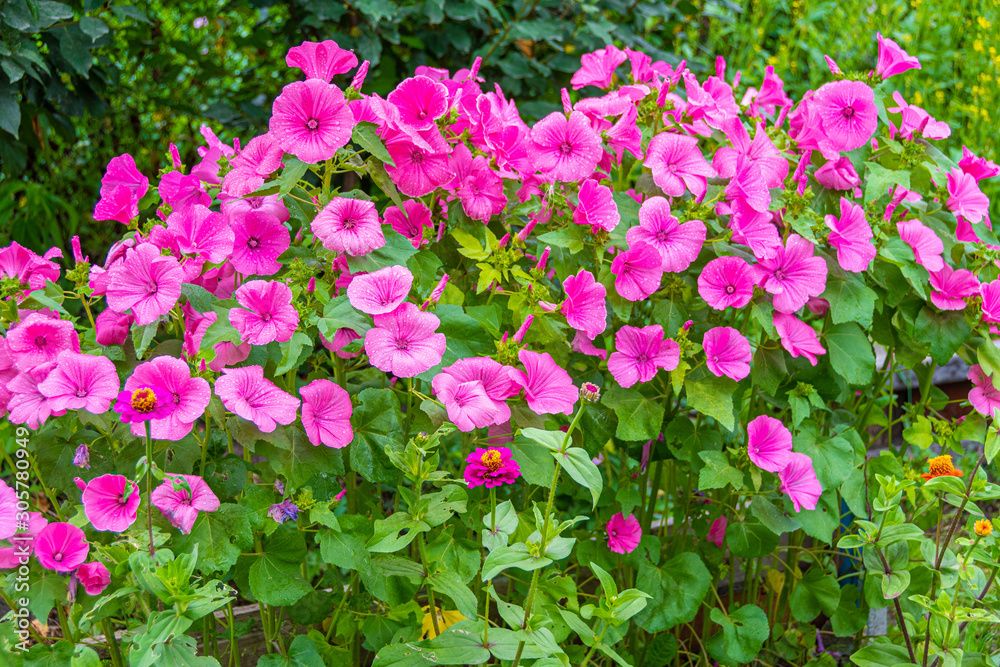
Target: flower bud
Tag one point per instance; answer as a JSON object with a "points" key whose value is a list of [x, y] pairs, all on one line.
{"points": [[590, 392], [519, 336], [983, 528], [81, 459]]}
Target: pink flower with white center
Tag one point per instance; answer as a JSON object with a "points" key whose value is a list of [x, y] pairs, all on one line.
{"points": [[965, 197], [270, 204], [476, 185], [678, 165], [798, 480], [311, 120], [111, 503], [467, 404], [624, 533], [727, 353], [678, 244], [18, 262], [637, 271], [754, 229], [146, 282], [181, 192], [761, 153], [792, 275], [321, 60], [39, 339], [597, 68], [548, 388], [564, 149], [381, 291], [838, 174], [640, 353], [585, 307], [349, 225], [80, 382], [851, 235], [847, 112], [200, 231], [27, 404], [597, 208], [418, 170], [990, 293], [188, 395], [797, 337], [61, 547], [181, 497], [491, 374], [769, 443], [411, 221], [122, 186], [259, 239], [259, 159], [326, 414], [952, 287], [94, 577], [926, 246], [404, 341], [420, 100], [253, 397], [892, 59], [984, 396], [267, 313], [725, 282]]}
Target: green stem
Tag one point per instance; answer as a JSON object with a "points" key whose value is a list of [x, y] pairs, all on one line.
{"points": [[112, 641], [430, 589], [64, 624], [149, 488], [204, 444], [493, 510]]}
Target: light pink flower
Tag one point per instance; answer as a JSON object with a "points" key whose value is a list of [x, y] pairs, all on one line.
{"points": [[991, 301], [259, 239], [548, 388], [725, 282], [8, 511], [381, 291], [200, 231], [146, 282], [792, 275], [420, 101], [597, 207], [798, 480], [467, 404], [81, 382], [22, 541], [341, 338], [326, 414], [952, 287], [761, 153], [965, 198], [597, 68], [564, 149], [717, 531], [625, 135], [189, 395], [250, 395], [491, 374], [39, 339], [677, 244], [94, 577], [28, 267], [838, 174], [476, 185], [267, 313], [892, 59], [112, 328], [418, 170], [229, 354], [754, 229], [926, 245], [111, 502], [181, 192], [916, 120], [678, 165], [411, 221], [851, 235], [311, 120], [727, 353], [637, 271], [624, 533], [984, 396], [403, 342], [259, 159], [349, 225], [847, 112], [640, 353], [321, 60], [121, 189], [270, 204], [584, 307], [797, 337], [181, 505], [27, 405]]}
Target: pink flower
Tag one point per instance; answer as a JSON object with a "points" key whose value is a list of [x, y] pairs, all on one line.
{"points": [[761, 153], [978, 167], [321, 60], [411, 221], [250, 395], [564, 149], [403, 342], [727, 353], [597, 68], [625, 135], [39, 339], [491, 467], [792, 275], [584, 307], [851, 235], [188, 395], [121, 189], [596, 208], [61, 547], [678, 165], [965, 197], [326, 414], [27, 405], [797, 337], [717, 531], [493, 376], [8, 511], [181, 497], [111, 502], [769, 443], [94, 577], [725, 282], [267, 313], [548, 388], [22, 541], [80, 382], [420, 101], [181, 192], [838, 174], [624, 533], [259, 238], [798, 480], [637, 271], [18, 262], [926, 245], [677, 244], [847, 112], [381, 291], [952, 287], [418, 170], [270, 204], [229, 354], [892, 59], [341, 338], [985, 397], [200, 231], [476, 185], [144, 404], [467, 403], [311, 120], [112, 328], [640, 353], [259, 159], [146, 282], [349, 225]]}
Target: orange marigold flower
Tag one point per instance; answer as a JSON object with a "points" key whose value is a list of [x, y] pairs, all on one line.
{"points": [[983, 528], [941, 466]]}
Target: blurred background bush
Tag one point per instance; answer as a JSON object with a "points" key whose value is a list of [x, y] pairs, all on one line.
{"points": [[81, 82]]}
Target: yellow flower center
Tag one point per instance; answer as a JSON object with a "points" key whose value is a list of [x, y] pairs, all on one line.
{"points": [[941, 465], [143, 400], [491, 459], [983, 528]]}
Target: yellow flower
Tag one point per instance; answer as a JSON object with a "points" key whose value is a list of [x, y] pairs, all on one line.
{"points": [[983, 528], [941, 466], [446, 619]]}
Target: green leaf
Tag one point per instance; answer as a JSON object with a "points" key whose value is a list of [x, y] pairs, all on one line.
{"points": [[816, 592], [297, 460], [639, 418], [219, 536], [94, 28], [581, 468], [851, 354], [988, 356], [142, 336], [881, 655], [750, 539], [768, 370], [451, 585], [294, 352], [293, 172], [275, 577], [895, 583], [553, 440], [879, 180], [713, 397], [515, 555], [366, 134], [677, 588], [772, 517], [395, 532], [743, 634], [717, 472], [396, 251], [338, 313], [850, 299], [851, 614], [833, 459], [945, 330], [381, 177], [377, 424], [10, 111], [570, 237], [301, 653]]}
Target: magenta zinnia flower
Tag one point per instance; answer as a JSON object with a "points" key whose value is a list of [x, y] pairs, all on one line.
{"points": [[847, 112], [326, 414], [564, 149], [411, 221], [965, 198], [267, 313], [983, 396], [927, 247], [121, 189], [678, 165], [769, 443], [188, 396], [797, 337], [892, 59], [94, 577], [596, 208], [677, 244], [259, 238], [491, 467], [146, 282], [624, 533], [349, 225], [491, 374], [144, 404], [725, 282], [80, 382], [111, 502], [321, 60], [637, 271], [250, 395], [727, 353], [181, 497], [61, 547], [403, 342], [851, 235], [39, 339], [792, 275], [584, 307], [952, 287], [548, 388], [311, 120], [467, 404], [640, 353], [380, 291], [798, 480]]}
